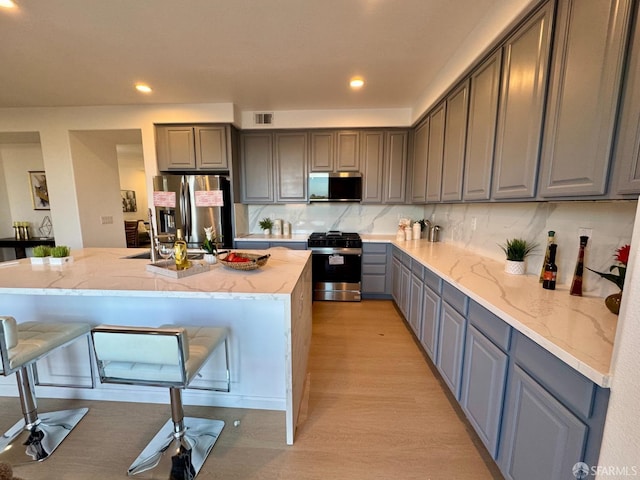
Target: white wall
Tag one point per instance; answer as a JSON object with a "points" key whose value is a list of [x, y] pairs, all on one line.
{"points": [[95, 166], [133, 177], [621, 441]]}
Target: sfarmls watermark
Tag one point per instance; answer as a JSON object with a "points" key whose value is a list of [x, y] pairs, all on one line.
{"points": [[581, 471]]}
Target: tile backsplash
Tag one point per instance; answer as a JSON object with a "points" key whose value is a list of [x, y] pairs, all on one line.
{"points": [[481, 227]]}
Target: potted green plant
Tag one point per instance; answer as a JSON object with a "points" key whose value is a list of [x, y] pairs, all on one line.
{"points": [[60, 255], [517, 250], [210, 245], [266, 224], [40, 254]]}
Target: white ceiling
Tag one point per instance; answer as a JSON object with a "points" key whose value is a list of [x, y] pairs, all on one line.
{"points": [[256, 54]]}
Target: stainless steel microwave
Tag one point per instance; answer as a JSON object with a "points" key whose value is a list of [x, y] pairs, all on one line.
{"points": [[335, 187]]}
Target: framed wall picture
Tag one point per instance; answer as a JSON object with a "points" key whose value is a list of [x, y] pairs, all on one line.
{"points": [[128, 201], [39, 192]]}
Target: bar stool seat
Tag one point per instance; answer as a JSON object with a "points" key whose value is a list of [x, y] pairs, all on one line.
{"points": [[167, 356], [21, 345]]}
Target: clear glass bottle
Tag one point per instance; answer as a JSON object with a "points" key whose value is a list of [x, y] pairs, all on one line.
{"points": [[180, 252], [550, 239]]}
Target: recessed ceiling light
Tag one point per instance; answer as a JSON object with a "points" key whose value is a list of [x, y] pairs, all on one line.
{"points": [[7, 4], [141, 87], [356, 82]]}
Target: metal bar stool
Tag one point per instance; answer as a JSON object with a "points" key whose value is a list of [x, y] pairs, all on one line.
{"points": [[166, 356], [21, 345]]}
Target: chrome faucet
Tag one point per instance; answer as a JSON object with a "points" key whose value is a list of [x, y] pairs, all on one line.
{"points": [[154, 240]]}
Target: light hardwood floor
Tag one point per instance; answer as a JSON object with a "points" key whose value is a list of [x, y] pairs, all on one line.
{"points": [[374, 409]]}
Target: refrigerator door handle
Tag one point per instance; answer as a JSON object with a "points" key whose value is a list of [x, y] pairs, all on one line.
{"points": [[183, 212], [187, 212]]}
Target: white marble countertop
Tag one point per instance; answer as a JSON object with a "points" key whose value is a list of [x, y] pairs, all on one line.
{"points": [[578, 330], [104, 271]]}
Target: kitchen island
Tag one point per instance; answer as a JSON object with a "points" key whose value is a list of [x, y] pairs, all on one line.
{"points": [[268, 312]]}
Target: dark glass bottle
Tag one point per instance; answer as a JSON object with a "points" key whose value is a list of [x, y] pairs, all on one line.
{"points": [[550, 239], [576, 284], [550, 269]]}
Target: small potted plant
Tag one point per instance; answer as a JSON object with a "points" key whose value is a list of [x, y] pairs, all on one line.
{"points": [[266, 224], [517, 250], [40, 254], [60, 255], [210, 245]]}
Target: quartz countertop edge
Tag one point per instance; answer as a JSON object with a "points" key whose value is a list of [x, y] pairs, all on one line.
{"points": [[578, 330]]}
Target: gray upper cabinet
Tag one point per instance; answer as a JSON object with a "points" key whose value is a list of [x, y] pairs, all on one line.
{"points": [[419, 163], [256, 167], [384, 166], [348, 151], [372, 166], [322, 153], [583, 97], [435, 153], [335, 151], [187, 147], [481, 129], [627, 151], [395, 159], [291, 166], [524, 78], [455, 135]]}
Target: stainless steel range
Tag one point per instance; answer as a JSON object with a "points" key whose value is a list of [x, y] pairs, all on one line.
{"points": [[337, 265]]}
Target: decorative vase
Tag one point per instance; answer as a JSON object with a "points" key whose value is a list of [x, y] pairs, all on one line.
{"points": [[514, 268], [613, 302], [210, 258]]}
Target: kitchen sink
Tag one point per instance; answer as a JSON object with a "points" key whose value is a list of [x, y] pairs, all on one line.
{"points": [[147, 256]]}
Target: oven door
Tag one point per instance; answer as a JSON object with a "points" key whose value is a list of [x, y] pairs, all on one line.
{"points": [[337, 274]]}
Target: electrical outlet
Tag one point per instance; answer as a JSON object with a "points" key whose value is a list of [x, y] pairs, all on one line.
{"points": [[474, 223], [585, 232], [106, 220]]}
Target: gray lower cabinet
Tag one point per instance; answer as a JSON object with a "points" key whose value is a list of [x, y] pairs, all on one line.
{"points": [[451, 347], [420, 152], [264, 245], [536, 415], [541, 437], [430, 322], [481, 129], [256, 167], [626, 177], [521, 107], [376, 270], [435, 153], [590, 41], [416, 293], [455, 135], [291, 166], [483, 381], [396, 279], [189, 147]]}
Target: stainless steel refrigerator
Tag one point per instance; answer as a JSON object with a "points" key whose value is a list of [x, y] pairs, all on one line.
{"points": [[185, 205]]}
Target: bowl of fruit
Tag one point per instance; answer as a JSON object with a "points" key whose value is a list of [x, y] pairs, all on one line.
{"points": [[243, 261]]}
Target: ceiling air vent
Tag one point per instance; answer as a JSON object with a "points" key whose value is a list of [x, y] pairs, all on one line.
{"points": [[263, 118]]}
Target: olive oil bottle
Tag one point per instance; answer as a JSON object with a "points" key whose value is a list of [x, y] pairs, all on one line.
{"points": [[550, 239], [180, 252], [550, 269]]}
